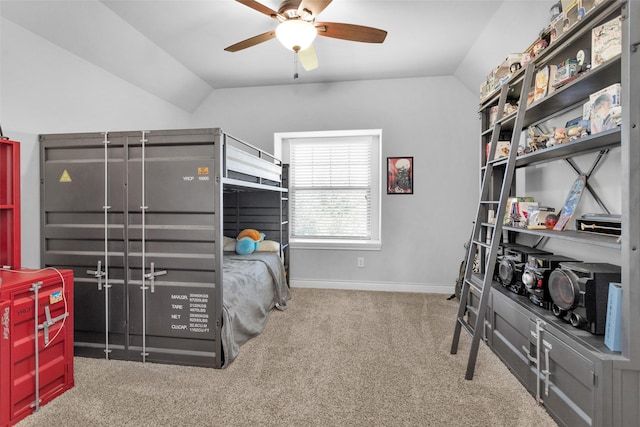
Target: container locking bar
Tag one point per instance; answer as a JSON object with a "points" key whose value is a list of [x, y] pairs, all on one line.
{"points": [[152, 277], [35, 288], [50, 322], [98, 274]]}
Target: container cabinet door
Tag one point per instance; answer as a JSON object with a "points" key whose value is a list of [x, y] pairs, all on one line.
{"points": [[510, 338], [83, 195], [474, 303], [568, 382], [174, 300]]}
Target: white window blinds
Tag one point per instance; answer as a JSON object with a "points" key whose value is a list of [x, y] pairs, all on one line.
{"points": [[330, 188]]}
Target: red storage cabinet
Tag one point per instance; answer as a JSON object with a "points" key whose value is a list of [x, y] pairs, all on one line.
{"points": [[34, 302], [9, 203]]}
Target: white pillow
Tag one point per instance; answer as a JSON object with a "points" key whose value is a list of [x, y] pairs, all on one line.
{"points": [[229, 244], [268, 246]]}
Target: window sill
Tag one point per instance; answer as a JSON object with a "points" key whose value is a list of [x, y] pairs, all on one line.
{"points": [[356, 245]]}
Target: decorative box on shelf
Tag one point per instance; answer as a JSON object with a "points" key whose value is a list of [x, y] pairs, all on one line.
{"points": [[609, 224]]}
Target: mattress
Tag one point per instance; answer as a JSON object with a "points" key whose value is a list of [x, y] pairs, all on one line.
{"points": [[254, 285]]}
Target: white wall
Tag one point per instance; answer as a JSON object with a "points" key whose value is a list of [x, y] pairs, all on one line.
{"points": [[432, 119], [45, 89], [513, 28], [48, 90]]}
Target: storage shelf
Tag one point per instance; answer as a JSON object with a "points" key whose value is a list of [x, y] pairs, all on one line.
{"points": [[573, 236], [594, 343], [574, 92], [599, 13], [544, 57], [600, 141], [603, 140], [10, 246], [570, 94], [507, 122], [518, 330]]}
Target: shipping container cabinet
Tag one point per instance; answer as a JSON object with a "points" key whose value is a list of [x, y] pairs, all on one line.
{"points": [[36, 340], [137, 217]]}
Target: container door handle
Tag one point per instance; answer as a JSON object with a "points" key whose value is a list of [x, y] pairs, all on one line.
{"points": [[98, 274], [152, 277], [50, 322], [547, 370], [531, 358], [538, 335]]}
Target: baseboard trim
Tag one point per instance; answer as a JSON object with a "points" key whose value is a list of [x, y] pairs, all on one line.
{"points": [[373, 286]]}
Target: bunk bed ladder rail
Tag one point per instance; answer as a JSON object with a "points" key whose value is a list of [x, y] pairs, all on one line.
{"points": [[284, 217], [486, 236]]}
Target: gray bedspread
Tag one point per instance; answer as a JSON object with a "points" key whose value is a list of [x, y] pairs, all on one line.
{"points": [[254, 285]]}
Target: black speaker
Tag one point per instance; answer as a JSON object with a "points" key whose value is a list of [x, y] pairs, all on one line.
{"points": [[535, 276], [580, 293], [510, 266]]}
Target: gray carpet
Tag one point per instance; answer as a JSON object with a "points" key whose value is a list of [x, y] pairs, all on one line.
{"points": [[333, 358]]}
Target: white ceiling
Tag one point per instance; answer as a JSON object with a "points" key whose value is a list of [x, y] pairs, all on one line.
{"points": [[175, 48]]}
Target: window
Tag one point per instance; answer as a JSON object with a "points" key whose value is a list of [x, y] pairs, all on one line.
{"points": [[334, 188]]}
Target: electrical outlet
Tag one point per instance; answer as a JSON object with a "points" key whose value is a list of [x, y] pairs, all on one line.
{"points": [[361, 262]]}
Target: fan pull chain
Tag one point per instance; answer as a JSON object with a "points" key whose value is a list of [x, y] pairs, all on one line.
{"points": [[295, 65]]}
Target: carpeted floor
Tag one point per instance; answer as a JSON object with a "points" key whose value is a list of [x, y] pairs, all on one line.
{"points": [[333, 358]]}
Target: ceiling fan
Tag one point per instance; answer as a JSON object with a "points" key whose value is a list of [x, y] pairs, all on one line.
{"points": [[298, 28]]}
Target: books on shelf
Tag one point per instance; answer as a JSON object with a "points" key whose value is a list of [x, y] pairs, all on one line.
{"points": [[603, 109], [606, 41], [541, 84], [544, 82]]}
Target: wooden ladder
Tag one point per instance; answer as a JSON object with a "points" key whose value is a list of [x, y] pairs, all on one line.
{"points": [[487, 235]]}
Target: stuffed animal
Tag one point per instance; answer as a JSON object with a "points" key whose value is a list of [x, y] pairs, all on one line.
{"points": [[248, 240], [560, 135]]}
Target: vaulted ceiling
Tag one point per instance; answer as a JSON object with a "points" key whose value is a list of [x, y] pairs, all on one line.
{"points": [[175, 48]]}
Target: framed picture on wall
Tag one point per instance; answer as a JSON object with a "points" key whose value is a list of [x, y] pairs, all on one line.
{"points": [[399, 175]]}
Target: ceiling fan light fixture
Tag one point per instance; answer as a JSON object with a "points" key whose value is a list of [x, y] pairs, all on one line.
{"points": [[296, 34]]}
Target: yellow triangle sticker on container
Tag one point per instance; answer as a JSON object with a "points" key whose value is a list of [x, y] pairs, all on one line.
{"points": [[65, 177]]}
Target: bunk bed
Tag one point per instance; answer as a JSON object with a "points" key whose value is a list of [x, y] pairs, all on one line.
{"points": [[141, 218]]}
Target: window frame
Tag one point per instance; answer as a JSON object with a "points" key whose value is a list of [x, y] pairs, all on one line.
{"points": [[282, 150]]}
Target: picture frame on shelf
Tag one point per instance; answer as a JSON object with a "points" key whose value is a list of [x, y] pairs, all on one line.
{"points": [[399, 175]]}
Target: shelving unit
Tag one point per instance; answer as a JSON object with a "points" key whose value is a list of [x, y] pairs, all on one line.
{"points": [[570, 371], [9, 203]]}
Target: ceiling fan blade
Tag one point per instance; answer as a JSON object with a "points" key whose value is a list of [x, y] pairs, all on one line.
{"points": [[262, 9], [314, 6], [251, 41], [308, 58], [356, 33]]}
